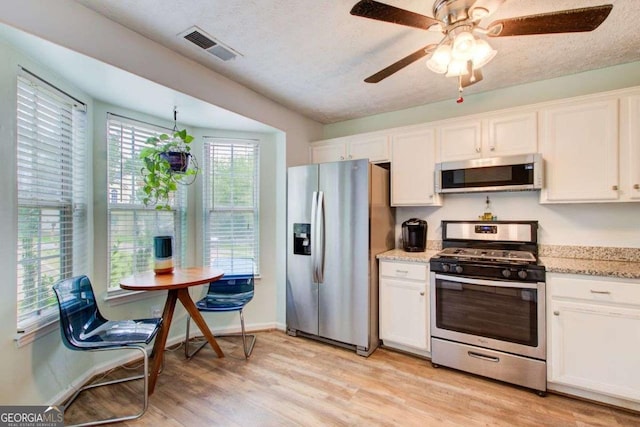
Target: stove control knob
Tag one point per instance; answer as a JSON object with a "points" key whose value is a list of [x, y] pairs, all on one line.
{"points": [[506, 273], [445, 267], [458, 269], [522, 274]]}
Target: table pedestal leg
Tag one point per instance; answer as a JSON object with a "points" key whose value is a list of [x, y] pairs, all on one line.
{"points": [[161, 339], [187, 302]]}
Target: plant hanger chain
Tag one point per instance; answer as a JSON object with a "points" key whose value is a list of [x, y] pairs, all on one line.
{"points": [[175, 118]]}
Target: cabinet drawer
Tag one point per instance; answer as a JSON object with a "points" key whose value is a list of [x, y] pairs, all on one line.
{"points": [[403, 270], [594, 290]]}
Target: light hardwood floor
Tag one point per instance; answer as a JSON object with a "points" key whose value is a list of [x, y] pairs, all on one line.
{"points": [[292, 381]]}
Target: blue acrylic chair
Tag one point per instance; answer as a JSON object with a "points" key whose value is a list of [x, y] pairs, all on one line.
{"points": [[230, 293], [83, 328]]}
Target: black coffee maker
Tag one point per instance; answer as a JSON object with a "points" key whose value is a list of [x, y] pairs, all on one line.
{"points": [[414, 235]]}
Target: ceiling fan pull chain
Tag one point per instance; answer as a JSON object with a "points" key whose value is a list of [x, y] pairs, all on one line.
{"points": [[460, 99]]}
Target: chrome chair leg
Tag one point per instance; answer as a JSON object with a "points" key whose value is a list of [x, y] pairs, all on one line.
{"points": [[144, 376], [247, 349], [187, 354]]}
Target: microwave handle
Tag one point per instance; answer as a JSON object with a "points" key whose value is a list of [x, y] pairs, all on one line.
{"points": [[496, 283]]}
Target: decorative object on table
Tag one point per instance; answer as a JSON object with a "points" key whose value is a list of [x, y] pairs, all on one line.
{"points": [[163, 254], [83, 328], [167, 162]]}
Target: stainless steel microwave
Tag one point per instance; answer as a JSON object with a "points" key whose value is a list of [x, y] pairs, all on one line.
{"points": [[508, 173]]}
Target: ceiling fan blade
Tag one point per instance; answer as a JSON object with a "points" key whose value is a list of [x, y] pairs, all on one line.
{"points": [[399, 65], [384, 12], [563, 21]]}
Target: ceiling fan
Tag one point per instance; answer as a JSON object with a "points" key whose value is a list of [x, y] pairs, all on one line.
{"points": [[460, 53]]}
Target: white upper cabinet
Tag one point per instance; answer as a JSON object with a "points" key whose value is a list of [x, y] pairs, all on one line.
{"points": [[413, 158], [630, 149], [498, 135], [460, 140], [331, 151], [373, 147], [579, 143]]}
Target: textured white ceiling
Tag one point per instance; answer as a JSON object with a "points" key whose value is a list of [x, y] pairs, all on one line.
{"points": [[312, 55]]}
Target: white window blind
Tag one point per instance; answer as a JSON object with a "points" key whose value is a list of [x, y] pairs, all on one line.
{"points": [[52, 197], [231, 199], [132, 225]]}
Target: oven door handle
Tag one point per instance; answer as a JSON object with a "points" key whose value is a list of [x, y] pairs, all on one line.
{"points": [[484, 282]]}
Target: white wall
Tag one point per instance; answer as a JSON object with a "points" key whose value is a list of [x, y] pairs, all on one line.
{"points": [[583, 224], [36, 373]]}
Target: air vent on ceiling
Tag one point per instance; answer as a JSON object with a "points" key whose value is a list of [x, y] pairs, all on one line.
{"points": [[203, 40]]}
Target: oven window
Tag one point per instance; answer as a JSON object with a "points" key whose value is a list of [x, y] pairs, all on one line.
{"points": [[506, 314]]}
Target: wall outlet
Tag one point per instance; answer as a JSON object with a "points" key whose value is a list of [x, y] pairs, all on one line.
{"points": [[156, 311]]}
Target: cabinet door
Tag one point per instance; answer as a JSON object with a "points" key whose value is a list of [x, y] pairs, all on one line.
{"points": [[403, 313], [595, 347], [413, 158], [580, 148], [374, 148], [329, 152], [630, 149], [511, 134], [460, 141]]}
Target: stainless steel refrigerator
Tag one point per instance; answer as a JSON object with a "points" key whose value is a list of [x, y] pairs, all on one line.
{"points": [[338, 220]]}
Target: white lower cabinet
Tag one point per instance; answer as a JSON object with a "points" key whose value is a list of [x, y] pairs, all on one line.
{"points": [[404, 306], [594, 335]]}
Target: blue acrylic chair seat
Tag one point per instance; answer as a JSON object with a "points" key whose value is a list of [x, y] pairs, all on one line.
{"points": [[230, 293], [83, 328]]}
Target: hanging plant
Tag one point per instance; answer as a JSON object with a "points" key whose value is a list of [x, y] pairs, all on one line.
{"points": [[166, 163]]}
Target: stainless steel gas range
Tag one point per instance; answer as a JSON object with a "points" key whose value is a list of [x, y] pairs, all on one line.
{"points": [[488, 302]]}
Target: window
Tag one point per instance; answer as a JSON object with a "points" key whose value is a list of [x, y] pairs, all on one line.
{"points": [[132, 225], [231, 201], [52, 205]]}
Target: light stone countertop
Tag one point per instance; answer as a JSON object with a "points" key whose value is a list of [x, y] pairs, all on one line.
{"points": [[553, 264]]}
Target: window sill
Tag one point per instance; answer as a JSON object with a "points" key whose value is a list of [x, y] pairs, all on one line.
{"points": [[120, 296], [30, 335]]}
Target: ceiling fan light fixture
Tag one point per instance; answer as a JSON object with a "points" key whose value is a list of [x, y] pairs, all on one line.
{"points": [[482, 53], [440, 59], [477, 13], [457, 67], [463, 46]]}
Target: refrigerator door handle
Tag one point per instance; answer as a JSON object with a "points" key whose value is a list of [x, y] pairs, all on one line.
{"points": [[320, 237], [314, 240]]}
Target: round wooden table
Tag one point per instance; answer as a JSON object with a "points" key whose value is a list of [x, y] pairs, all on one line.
{"points": [[177, 284]]}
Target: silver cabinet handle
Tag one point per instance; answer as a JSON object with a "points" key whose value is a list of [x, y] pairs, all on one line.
{"points": [[402, 271], [422, 293], [341, 157], [492, 148], [350, 157], [477, 149], [601, 292], [556, 313]]}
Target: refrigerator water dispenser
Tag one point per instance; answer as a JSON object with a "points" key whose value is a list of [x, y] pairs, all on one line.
{"points": [[301, 239]]}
